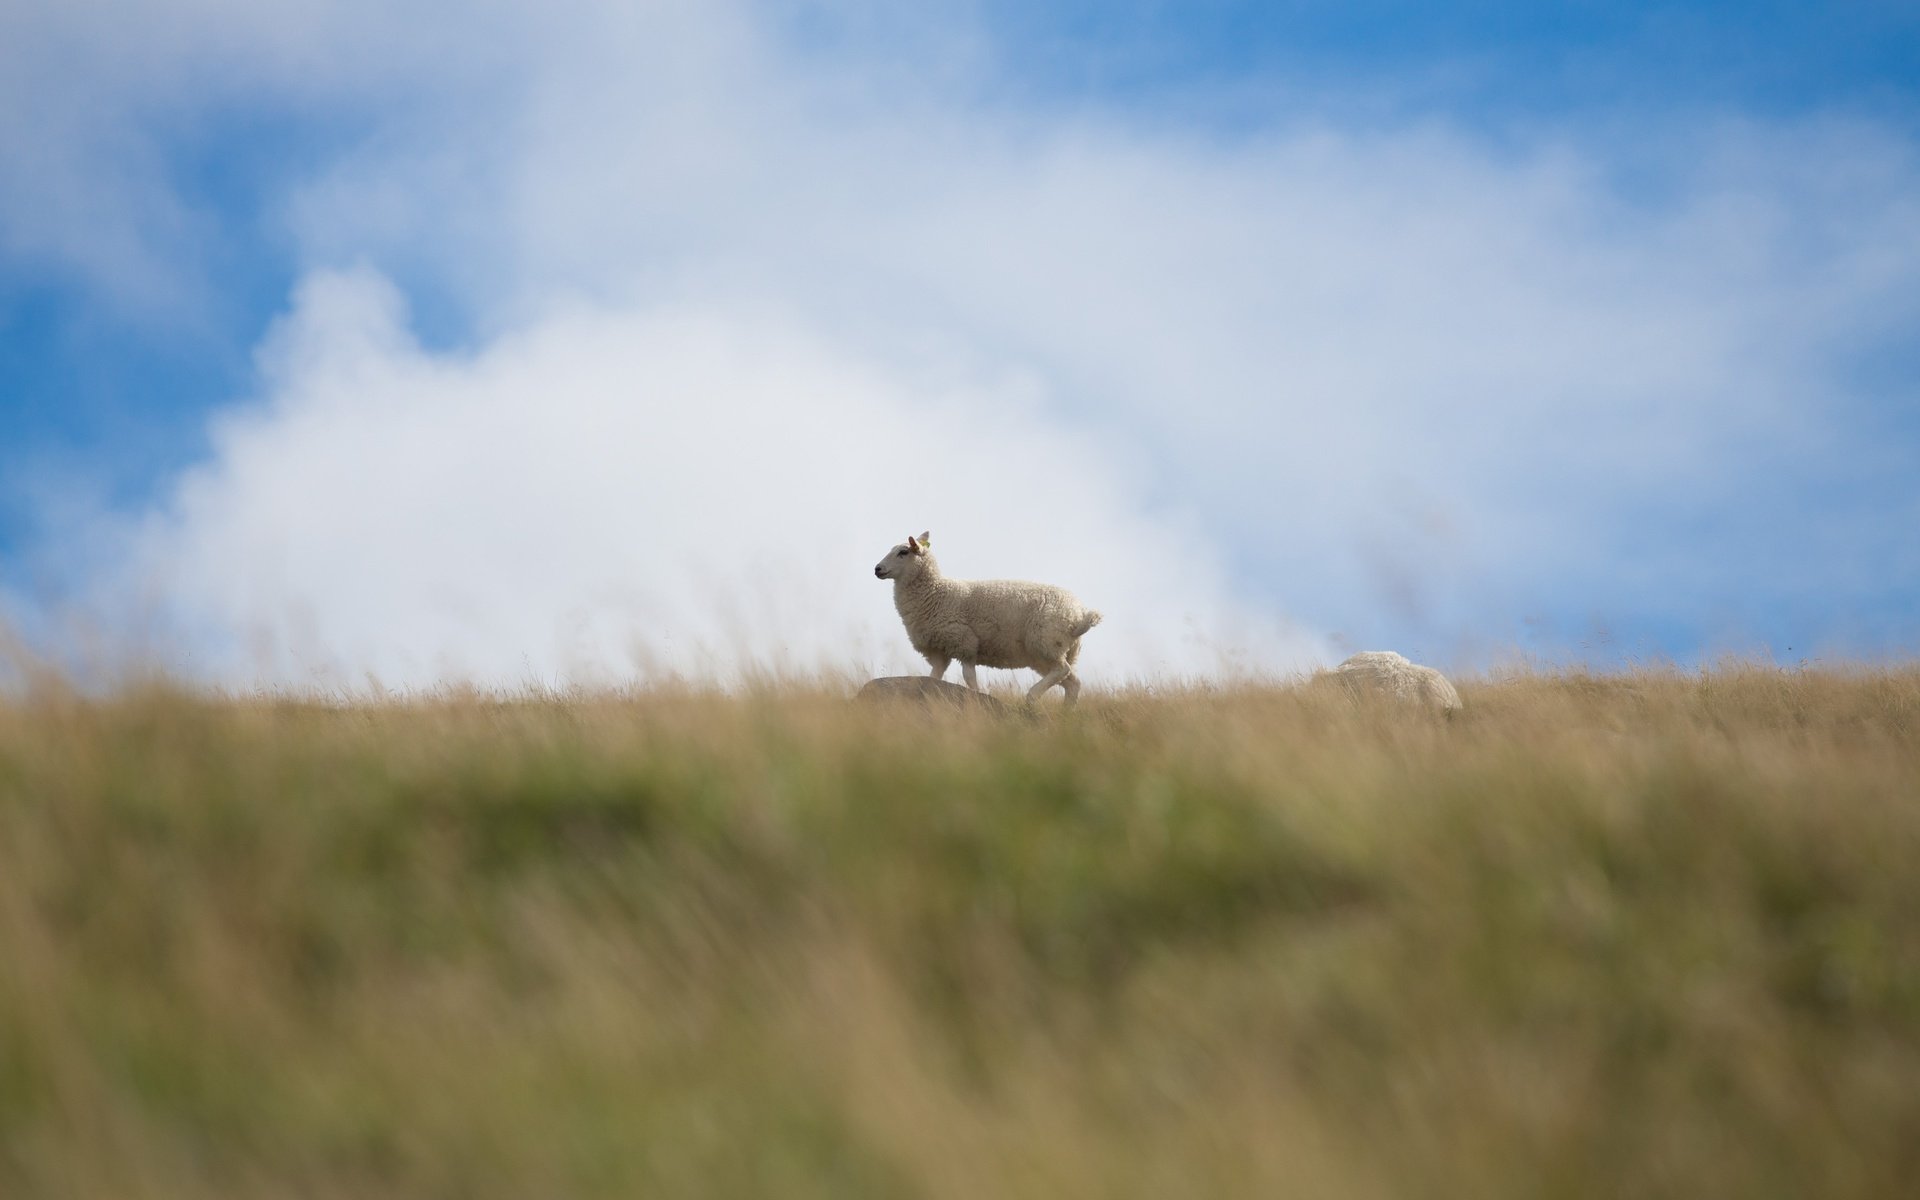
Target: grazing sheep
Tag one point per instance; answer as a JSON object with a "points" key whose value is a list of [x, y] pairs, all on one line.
{"points": [[986, 623], [1388, 673]]}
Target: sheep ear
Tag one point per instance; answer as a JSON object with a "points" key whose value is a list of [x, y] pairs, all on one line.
{"points": [[926, 539]]}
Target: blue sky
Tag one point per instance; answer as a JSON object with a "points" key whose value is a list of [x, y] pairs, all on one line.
{"points": [[1577, 330]]}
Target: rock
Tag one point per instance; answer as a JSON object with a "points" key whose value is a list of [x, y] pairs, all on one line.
{"points": [[928, 691]]}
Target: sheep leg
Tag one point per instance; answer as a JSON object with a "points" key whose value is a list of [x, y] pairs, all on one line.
{"points": [[966, 672], [939, 662], [1061, 671], [1071, 686]]}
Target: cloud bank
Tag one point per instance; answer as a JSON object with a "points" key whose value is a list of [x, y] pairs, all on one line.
{"points": [[739, 314], [616, 493]]}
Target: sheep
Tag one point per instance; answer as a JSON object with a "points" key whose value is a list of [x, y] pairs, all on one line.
{"points": [[986, 623], [1391, 674]]}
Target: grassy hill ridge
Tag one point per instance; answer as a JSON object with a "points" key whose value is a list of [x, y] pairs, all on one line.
{"points": [[1646, 934]]}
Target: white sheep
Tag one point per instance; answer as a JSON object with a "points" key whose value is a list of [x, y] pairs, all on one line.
{"points": [[1385, 672], [986, 623]]}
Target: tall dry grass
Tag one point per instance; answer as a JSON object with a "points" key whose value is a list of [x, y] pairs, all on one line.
{"points": [[1646, 934]]}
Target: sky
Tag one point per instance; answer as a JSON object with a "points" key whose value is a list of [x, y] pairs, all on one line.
{"points": [[347, 344]]}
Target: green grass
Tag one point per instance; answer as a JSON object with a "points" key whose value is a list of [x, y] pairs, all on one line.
{"points": [[1642, 935]]}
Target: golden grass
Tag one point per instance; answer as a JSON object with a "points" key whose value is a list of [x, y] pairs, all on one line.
{"points": [[1647, 934]]}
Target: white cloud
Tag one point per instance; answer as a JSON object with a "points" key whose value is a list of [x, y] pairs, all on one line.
{"points": [[617, 491], [1406, 381]]}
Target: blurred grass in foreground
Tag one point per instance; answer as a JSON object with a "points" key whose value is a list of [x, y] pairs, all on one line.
{"points": [[1642, 935]]}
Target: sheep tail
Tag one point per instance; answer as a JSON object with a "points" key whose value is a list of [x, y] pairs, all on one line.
{"points": [[1087, 621]]}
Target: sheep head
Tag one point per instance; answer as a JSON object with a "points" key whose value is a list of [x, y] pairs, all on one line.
{"points": [[905, 560]]}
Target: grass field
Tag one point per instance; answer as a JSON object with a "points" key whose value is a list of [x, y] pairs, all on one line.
{"points": [[1639, 935]]}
